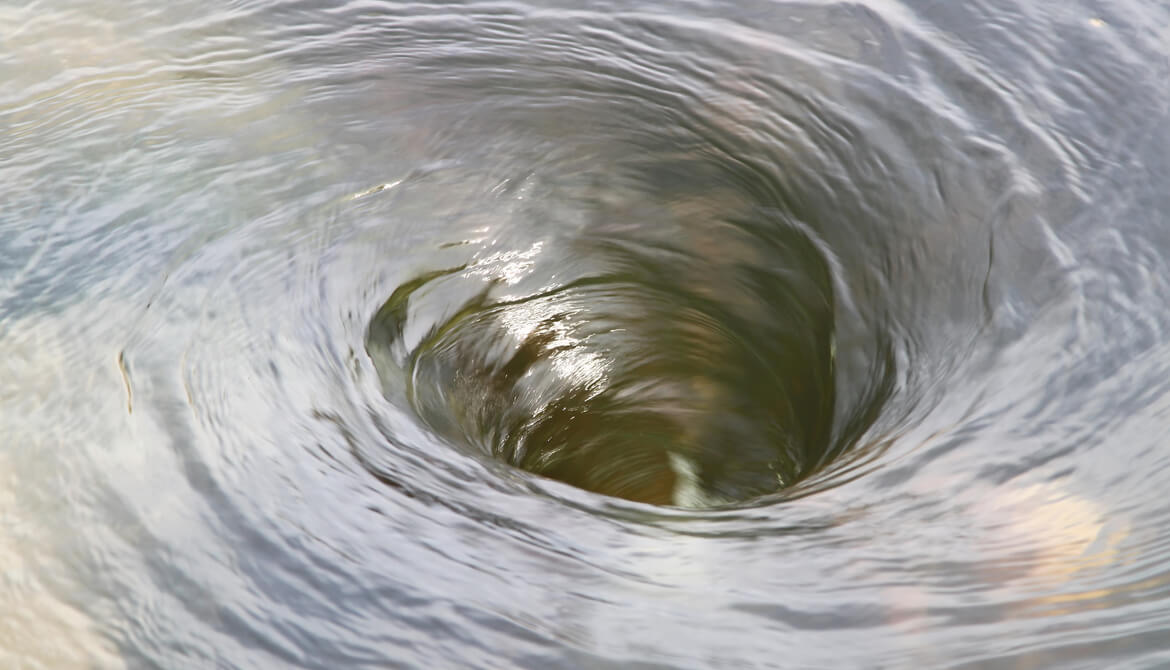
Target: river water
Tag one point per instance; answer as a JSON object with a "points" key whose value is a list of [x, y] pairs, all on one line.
{"points": [[584, 335]]}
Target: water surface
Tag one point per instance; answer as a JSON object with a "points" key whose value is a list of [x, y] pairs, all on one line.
{"points": [[615, 334]]}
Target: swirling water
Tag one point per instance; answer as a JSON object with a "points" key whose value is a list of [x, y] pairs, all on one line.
{"points": [[614, 334]]}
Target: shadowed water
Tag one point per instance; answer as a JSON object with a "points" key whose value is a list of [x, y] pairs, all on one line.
{"points": [[549, 335]]}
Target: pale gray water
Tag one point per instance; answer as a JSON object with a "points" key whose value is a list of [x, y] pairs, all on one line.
{"points": [[215, 455]]}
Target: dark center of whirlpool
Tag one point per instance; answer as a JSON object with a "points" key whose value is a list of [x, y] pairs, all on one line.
{"points": [[671, 342]]}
